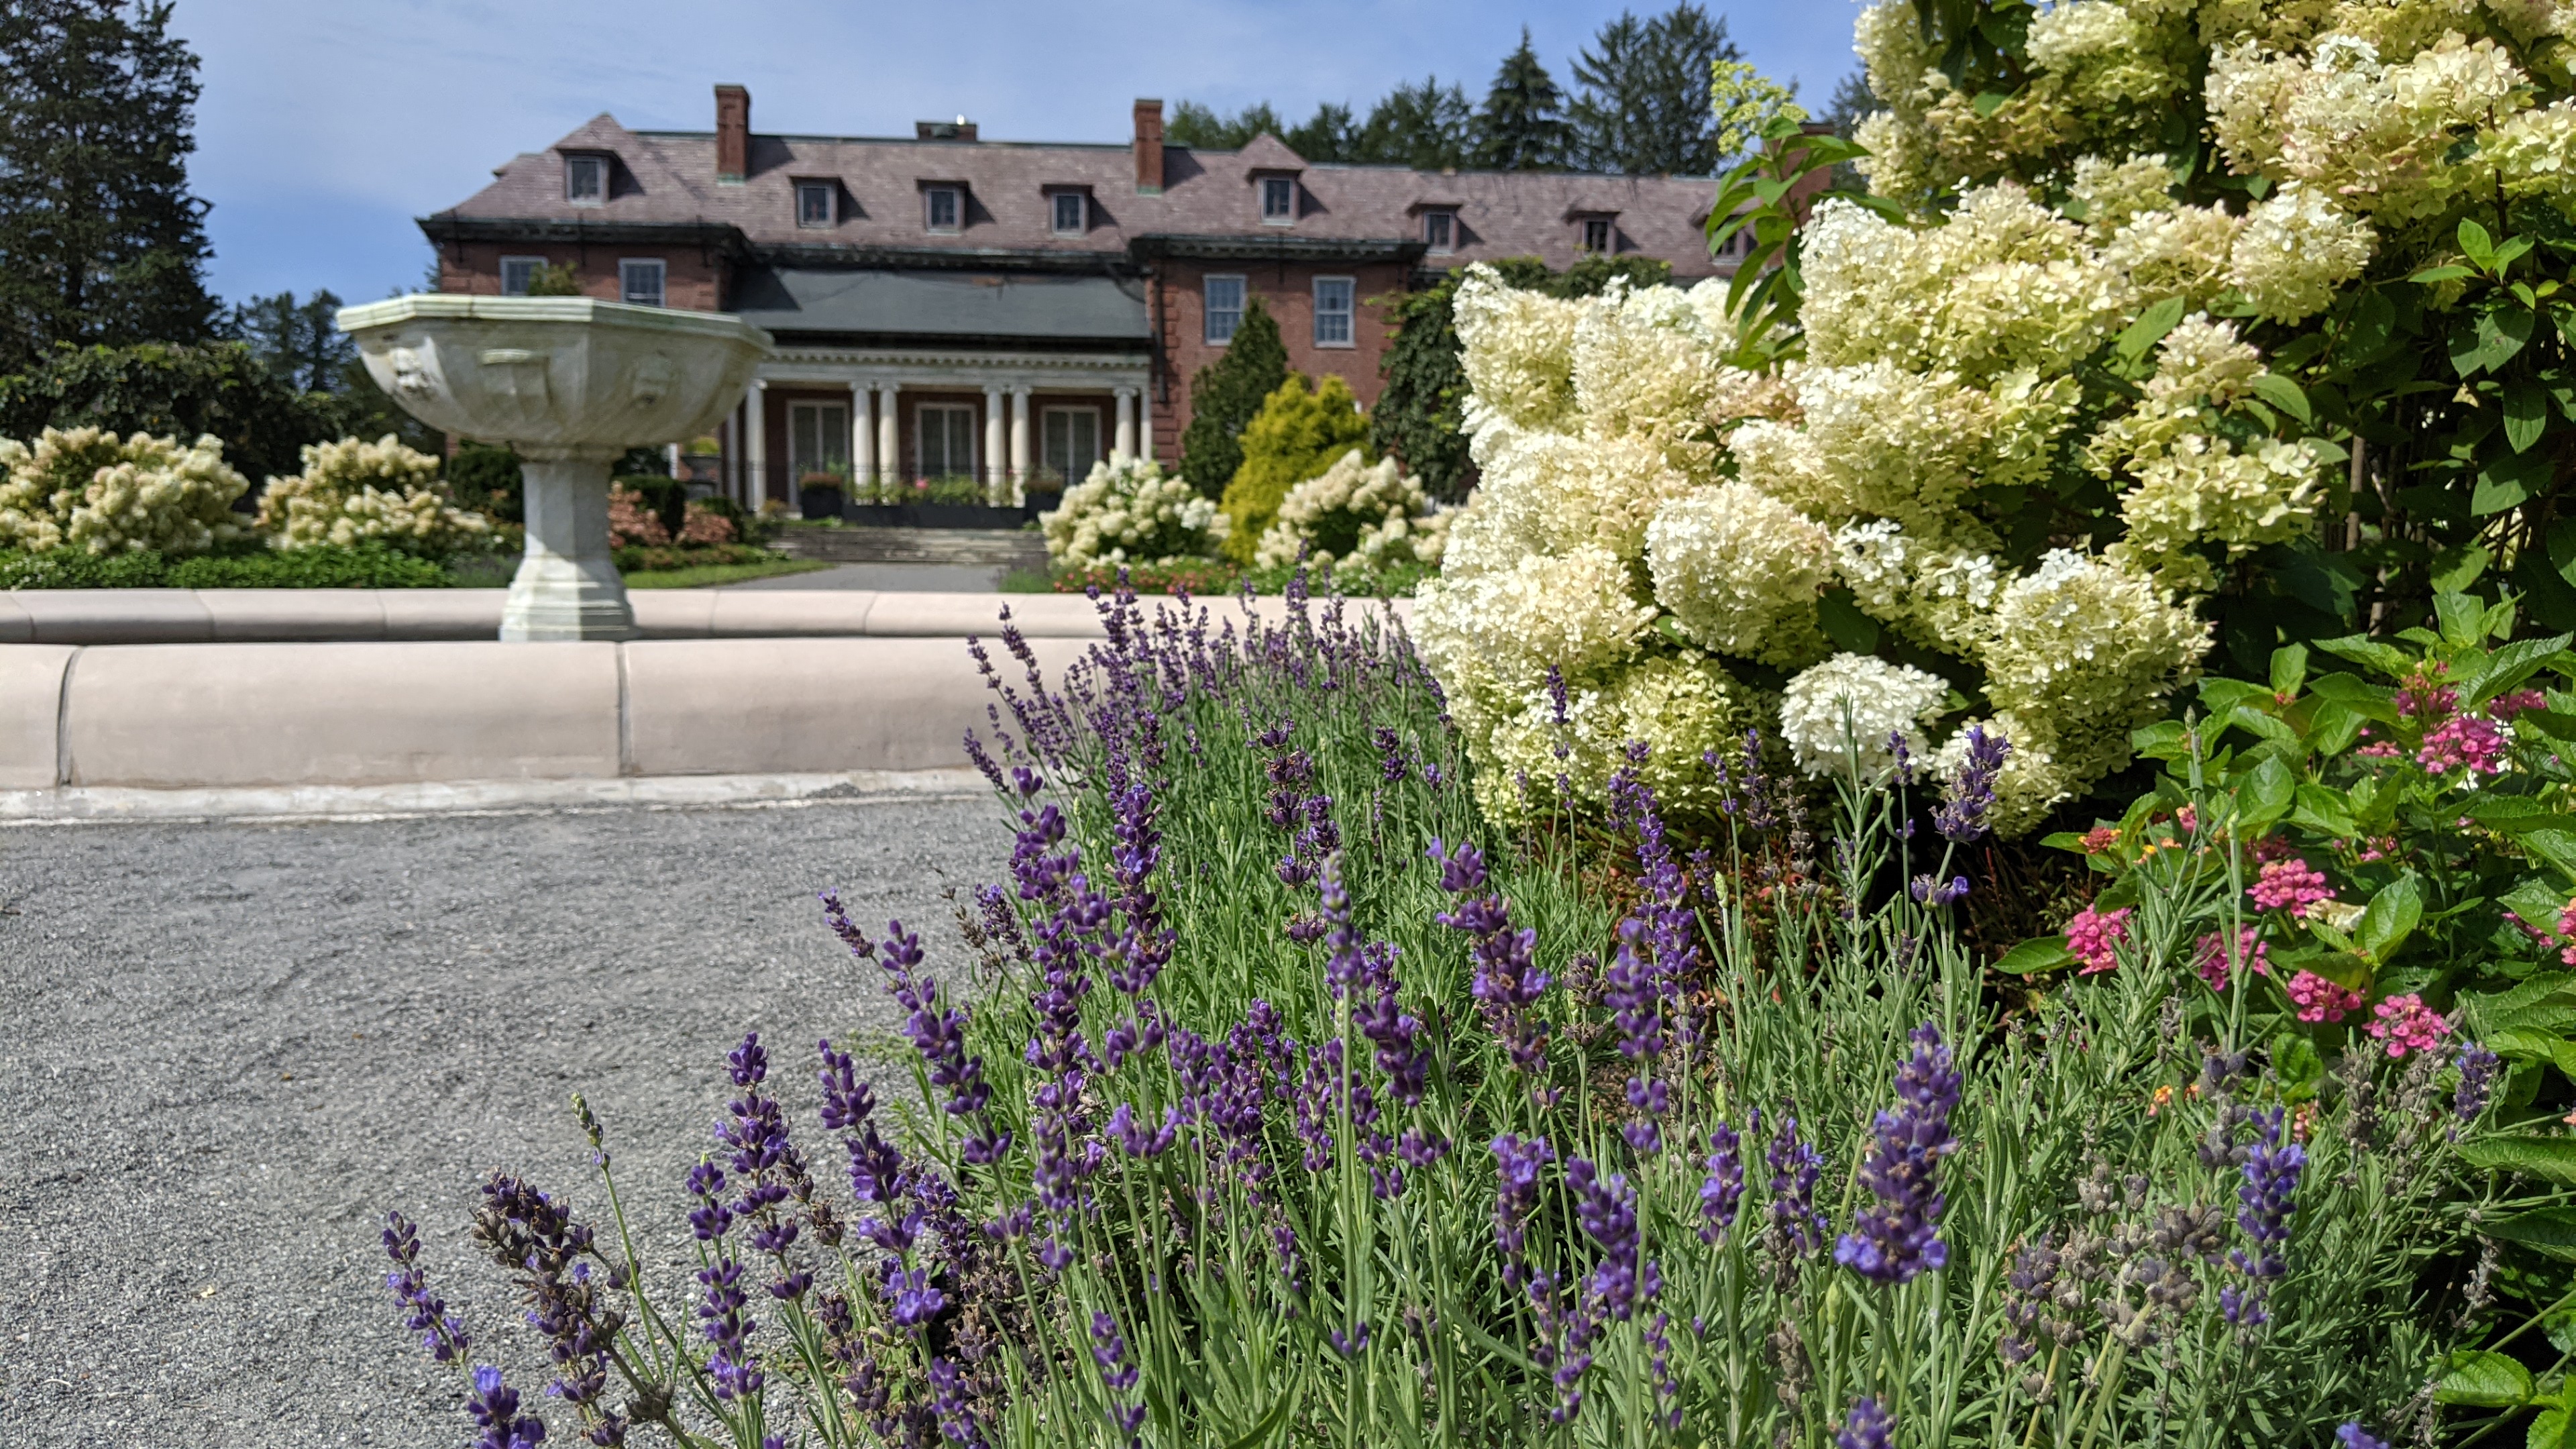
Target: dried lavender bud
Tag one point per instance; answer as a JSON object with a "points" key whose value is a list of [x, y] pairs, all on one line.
{"points": [[2197, 1231]]}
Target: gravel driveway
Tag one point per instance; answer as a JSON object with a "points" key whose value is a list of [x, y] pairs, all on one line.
{"points": [[226, 1049]]}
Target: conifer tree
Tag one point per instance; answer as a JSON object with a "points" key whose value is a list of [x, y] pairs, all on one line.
{"points": [[1643, 107], [100, 241], [1521, 126], [1424, 125], [1227, 394]]}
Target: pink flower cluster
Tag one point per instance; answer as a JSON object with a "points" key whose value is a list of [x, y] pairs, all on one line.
{"points": [[2567, 932], [2464, 742], [2407, 1025], [2094, 936], [2214, 962], [2423, 696], [2321, 1000], [2505, 706], [2289, 885]]}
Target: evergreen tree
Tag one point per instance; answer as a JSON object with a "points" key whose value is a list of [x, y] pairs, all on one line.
{"points": [[1330, 136], [100, 241], [1643, 107], [1193, 124], [1425, 126], [1521, 126], [300, 341], [1227, 394]]}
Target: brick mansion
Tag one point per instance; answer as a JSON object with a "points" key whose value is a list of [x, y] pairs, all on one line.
{"points": [[949, 305]]}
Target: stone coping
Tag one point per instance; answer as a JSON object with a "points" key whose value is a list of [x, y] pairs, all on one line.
{"points": [[244, 616], [108, 805]]}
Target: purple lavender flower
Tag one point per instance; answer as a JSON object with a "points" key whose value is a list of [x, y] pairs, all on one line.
{"points": [[2477, 1079], [1607, 1209], [1866, 1427], [1351, 1344], [1896, 1238], [913, 1300], [441, 1332], [1515, 1195], [2265, 1203], [1931, 890], [2353, 1436], [1507, 985], [953, 1402], [1142, 1141], [1109, 1351], [1723, 1189], [1962, 815], [496, 1408], [1797, 1229], [722, 1315]]}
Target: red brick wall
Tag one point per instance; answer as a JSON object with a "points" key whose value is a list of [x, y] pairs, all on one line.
{"points": [[690, 279], [1287, 290]]}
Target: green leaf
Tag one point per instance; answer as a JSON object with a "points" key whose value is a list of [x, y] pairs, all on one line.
{"points": [[2507, 480], [2526, 413], [2431, 276], [2265, 794], [2038, 954], [2150, 328], [2324, 811], [2477, 244], [1270, 1421], [2284, 394], [2554, 845], [2385, 658], [2167, 739], [2516, 662], [2392, 915], [2552, 1230], [2552, 1159], [2549, 1430], [1845, 624], [2463, 618], [2482, 1379], [2342, 968], [2289, 669], [2511, 814], [2499, 334]]}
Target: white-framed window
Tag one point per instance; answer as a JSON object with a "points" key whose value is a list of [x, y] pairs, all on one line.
{"points": [[586, 180], [943, 208], [818, 440], [1596, 233], [639, 281], [1224, 297], [943, 440], [1334, 298], [816, 203], [1070, 212], [1279, 199], [1070, 442], [518, 274], [1440, 231]]}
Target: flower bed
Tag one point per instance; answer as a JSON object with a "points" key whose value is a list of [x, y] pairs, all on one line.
{"points": [[1306, 1107]]}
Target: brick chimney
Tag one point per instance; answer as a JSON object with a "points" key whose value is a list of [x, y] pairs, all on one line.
{"points": [[733, 133], [1149, 147]]}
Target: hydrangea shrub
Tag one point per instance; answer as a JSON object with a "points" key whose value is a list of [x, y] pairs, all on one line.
{"points": [[87, 489], [1129, 511], [352, 491], [1355, 513]]}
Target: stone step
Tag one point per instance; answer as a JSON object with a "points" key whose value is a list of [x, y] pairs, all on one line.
{"points": [[995, 547]]}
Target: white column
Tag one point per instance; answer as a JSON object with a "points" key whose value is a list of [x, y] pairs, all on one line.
{"points": [[1020, 445], [756, 446], [671, 455], [863, 444], [994, 448], [889, 437], [732, 438], [1125, 447]]}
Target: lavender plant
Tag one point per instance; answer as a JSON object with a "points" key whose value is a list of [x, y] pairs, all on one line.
{"points": [[1298, 1109]]}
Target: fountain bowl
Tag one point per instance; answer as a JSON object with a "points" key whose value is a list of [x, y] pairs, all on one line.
{"points": [[569, 383]]}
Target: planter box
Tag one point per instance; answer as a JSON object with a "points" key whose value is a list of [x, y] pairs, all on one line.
{"points": [[819, 500], [936, 515]]}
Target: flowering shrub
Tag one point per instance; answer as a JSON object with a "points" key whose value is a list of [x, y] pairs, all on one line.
{"points": [[1129, 511], [93, 491], [1301, 429], [2390, 847], [352, 491], [1358, 514], [1303, 1109]]}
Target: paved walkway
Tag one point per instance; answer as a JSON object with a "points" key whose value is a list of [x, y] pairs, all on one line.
{"points": [[903, 578], [231, 1047]]}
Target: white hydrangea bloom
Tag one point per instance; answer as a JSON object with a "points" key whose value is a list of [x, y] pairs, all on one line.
{"points": [[1355, 511], [352, 491], [2069, 32], [2203, 489], [1127, 511], [1849, 708], [2086, 650], [2295, 249], [2111, 194], [1576, 611], [1679, 707], [1517, 348], [1561, 491], [2182, 252], [1740, 572], [89, 489]]}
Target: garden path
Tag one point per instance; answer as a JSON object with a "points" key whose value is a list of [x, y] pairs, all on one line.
{"points": [[231, 1047]]}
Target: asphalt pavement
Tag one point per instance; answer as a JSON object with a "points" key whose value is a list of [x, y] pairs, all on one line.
{"points": [[227, 1049]]}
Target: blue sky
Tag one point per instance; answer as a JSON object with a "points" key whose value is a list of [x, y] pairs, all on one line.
{"points": [[327, 125]]}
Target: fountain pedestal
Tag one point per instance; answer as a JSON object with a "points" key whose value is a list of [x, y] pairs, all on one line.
{"points": [[569, 383]]}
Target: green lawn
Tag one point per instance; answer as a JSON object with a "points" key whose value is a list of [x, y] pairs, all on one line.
{"points": [[709, 575]]}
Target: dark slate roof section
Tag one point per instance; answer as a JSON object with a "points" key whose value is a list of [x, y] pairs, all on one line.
{"points": [[669, 177], [808, 303]]}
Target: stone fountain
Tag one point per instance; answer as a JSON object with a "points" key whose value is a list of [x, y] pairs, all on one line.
{"points": [[570, 384]]}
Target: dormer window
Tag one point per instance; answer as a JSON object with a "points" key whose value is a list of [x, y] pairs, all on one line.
{"points": [[586, 180], [943, 208], [1070, 212], [1596, 233], [1440, 231], [1278, 200], [817, 203]]}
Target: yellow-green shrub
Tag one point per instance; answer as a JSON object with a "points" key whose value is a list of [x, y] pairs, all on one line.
{"points": [[1296, 436]]}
